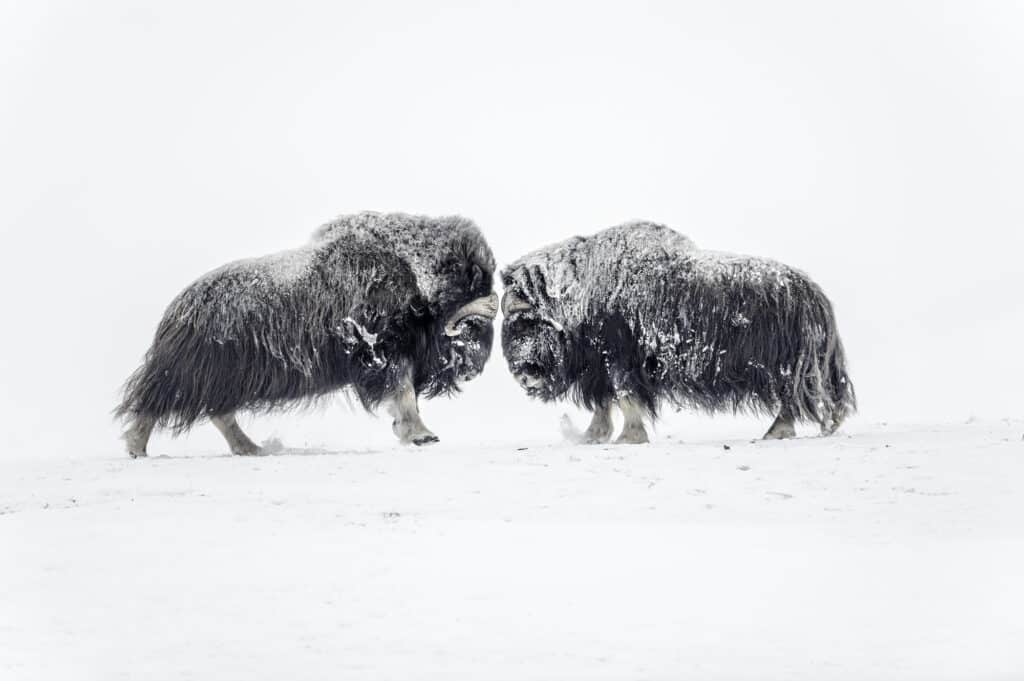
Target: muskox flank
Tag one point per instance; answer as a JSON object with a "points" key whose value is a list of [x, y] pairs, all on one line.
{"points": [[393, 306], [637, 315]]}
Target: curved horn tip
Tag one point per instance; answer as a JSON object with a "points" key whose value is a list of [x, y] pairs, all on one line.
{"points": [[511, 303], [486, 307]]}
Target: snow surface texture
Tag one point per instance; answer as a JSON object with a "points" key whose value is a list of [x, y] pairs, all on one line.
{"points": [[889, 552]]}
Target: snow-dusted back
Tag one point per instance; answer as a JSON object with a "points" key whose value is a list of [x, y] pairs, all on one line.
{"points": [[433, 248], [564, 279]]}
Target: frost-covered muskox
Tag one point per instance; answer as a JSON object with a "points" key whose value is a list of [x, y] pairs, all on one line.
{"points": [[637, 315], [391, 305]]}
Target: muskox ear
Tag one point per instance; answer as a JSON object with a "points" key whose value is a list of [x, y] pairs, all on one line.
{"points": [[486, 307], [511, 302]]}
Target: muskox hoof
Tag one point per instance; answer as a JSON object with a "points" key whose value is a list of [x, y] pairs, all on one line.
{"points": [[780, 431], [633, 436], [412, 433], [248, 449], [137, 455], [596, 436], [831, 426]]}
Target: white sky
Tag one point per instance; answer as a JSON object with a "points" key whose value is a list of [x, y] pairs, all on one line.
{"points": [[876, 145]]}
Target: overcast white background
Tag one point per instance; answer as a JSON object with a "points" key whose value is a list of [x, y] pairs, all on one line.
{"points": [[876, 145]]}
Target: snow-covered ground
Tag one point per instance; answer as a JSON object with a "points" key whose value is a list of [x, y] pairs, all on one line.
{"points": [[886, 552]]}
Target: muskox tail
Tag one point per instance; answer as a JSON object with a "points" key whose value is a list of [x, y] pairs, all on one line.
{"points": [[821, 390]]}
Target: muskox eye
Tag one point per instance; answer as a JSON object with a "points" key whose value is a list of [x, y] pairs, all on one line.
{"points": [[654, 367]]}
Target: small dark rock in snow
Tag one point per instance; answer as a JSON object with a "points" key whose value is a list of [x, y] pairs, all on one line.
{"points": [[743, 468], [726, 447], [521, 449]]}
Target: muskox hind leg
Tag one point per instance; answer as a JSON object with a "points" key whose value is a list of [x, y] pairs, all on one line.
{"points": [[832, 423], [238, 441], [633, 431], [404, 408], [137, 436], [600, 429], [783, 428]]}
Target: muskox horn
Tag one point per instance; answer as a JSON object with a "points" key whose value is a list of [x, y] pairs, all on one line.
{"points": [[481, 307], [512, 303]]}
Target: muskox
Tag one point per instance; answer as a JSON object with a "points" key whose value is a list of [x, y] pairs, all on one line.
{"points": [[392, 306], [638, 316]]}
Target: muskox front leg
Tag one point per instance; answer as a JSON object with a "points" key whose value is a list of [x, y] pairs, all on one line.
{"points": [[238, 441], [137, 436], [600, 429], [404, 408], [783, 428], [633, 431]]}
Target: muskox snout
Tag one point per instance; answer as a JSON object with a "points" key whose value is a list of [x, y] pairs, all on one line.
{"points": [[529, 376], [530, 382]]}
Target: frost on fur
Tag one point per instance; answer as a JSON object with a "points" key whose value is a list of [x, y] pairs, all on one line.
{"points": [[638, 311], [362, 305]]}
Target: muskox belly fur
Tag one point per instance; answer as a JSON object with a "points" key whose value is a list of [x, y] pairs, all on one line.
{"points": [[389, 305], [638, 316]]}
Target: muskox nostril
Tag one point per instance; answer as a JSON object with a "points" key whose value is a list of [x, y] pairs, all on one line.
{"points": [[528, 381]]}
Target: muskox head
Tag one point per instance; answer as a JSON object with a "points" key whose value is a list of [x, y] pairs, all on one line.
{"points": [[469, 334], [463, 308], [536, 347]]}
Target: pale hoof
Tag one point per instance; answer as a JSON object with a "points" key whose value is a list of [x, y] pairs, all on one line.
{"points": [[410, 434], [831, 427], [135, 443], [633, 436], [596, 436], [780, 432], [247, 451]]}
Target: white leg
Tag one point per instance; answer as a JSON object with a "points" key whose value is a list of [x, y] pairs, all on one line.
{"points": [[404, 408], [600, 429], [238, 441], [137, 436], [783, 428], [834, 421], [633, 431]]}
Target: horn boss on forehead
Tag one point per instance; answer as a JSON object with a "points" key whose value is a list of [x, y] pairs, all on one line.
{"points": [[637, 315], [512, 303], [484, 308]]}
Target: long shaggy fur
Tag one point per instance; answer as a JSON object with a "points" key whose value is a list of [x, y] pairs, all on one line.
{"points": [[363, 302], [638, 310]]}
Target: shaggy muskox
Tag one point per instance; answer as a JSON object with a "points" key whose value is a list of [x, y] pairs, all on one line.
{"points": [[393, 306], [637, 315]]}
